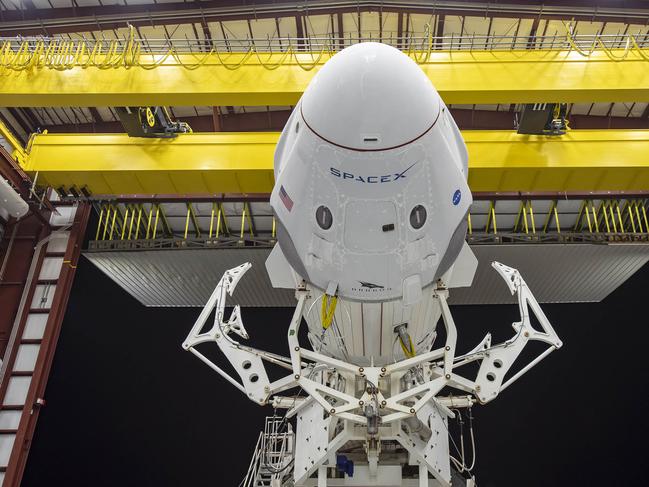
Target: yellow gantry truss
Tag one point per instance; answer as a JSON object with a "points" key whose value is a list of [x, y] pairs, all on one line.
{"points": [[242, 163], [462, 77]]}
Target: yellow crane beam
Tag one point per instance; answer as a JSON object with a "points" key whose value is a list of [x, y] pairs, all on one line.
{"points": [[580, 161], [463, 77], [17, 149]]}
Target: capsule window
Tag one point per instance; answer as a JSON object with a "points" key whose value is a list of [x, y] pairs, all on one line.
{"points": [[324, 217], [418, 217]]}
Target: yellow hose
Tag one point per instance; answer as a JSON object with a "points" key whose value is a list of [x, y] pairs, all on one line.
{"points": [[408, 351], [328, 310]]}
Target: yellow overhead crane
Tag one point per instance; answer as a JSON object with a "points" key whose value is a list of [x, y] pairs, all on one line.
{"points": [[214, 163], [120, 73], [184, 79]]}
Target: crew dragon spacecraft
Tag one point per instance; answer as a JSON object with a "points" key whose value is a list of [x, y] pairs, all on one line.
{"points": [[370, 199]]}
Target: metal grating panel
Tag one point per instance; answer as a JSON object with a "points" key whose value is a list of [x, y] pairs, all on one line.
{"points": [[555, 273]]}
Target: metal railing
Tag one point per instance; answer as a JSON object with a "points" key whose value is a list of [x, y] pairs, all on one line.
{"points": [[150, 222], [273, 456], [409, 42], [154, 225], [619, 217], [63, 53]]}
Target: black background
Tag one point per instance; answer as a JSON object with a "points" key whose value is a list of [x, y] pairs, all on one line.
{"points": [[126, 406]]}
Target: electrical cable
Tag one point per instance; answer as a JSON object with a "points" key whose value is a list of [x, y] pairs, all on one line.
{"points": [[453, 459], [473, 450], [461, 466], [64, 54]]}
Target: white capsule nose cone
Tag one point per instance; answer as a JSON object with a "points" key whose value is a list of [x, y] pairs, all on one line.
{"points": [[370, 96]]}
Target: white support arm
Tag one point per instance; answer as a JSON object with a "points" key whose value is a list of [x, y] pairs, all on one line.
{"points": [[498, 359], [246, 361]]}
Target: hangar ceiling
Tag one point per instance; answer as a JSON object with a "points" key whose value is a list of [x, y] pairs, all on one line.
{"points": [[234, 26]]}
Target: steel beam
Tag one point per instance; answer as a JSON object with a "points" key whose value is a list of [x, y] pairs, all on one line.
{"points": [[217, 163], [18, 150], [463, 77], [77, 18], [275, 120]]}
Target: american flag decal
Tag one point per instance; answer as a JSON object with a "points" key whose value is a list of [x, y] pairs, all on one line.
{"points": [[286, 199]]}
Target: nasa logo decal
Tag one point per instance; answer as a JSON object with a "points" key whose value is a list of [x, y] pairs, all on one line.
{"points": [[457, 196]]}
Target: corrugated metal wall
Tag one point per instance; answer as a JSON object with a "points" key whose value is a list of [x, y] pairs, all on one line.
{"points": [[555, 273], [188, 277]]}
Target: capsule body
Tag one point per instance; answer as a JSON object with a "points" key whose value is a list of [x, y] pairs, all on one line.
{"points": [[371, 179]]}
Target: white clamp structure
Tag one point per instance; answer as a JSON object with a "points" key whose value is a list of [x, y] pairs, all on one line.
{"points": [[321, 376]]}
